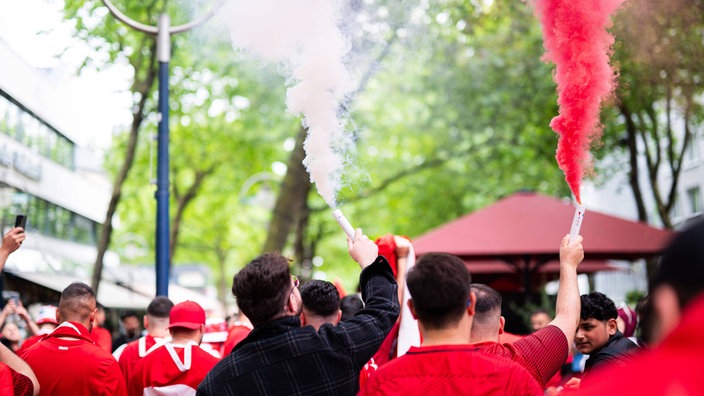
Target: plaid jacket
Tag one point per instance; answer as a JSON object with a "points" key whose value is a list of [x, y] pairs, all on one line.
{"points": [[283, 358]]}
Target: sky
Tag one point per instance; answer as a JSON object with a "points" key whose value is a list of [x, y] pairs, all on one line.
{"points": [[35, 31]]}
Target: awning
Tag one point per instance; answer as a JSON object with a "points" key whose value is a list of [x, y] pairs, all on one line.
{"points": [[109, 294]]}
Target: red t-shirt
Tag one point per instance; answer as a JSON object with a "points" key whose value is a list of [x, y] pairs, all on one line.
{"points": [[74, 366], [134, 351], [236, 334], [450, 370], [172, 369], [102, 337], [543, 353]]}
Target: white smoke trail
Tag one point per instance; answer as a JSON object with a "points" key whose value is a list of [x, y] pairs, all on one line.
{"points": [[304, 36]]}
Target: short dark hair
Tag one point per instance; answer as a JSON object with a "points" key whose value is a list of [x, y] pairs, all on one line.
{"points": [[262, 287], [488, 299], [682, 264], [160, 307], [128, 313], [320, 297], [77, 302], [439, 287], [350, 305], [596, 305]]}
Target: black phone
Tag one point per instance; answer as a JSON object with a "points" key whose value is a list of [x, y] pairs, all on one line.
{"points": [[21, 221]]}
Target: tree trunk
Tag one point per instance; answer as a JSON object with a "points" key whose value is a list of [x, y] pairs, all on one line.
{"points": [[182, 202], [292, 196]]}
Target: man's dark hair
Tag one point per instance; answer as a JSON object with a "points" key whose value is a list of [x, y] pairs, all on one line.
{"points": [[320, 297], [160, 307], [488, 299], [682, 264], [439, 286], [127, 314], [77, 302], [596, 305], [350, 305], [262, 287]]}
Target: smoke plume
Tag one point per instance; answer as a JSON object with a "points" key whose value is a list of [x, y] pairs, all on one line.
{"points": [[304, 37], [577, 42]]}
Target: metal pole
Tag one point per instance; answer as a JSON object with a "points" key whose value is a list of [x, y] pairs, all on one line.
{"points": [[163, 33], [163, 47]]}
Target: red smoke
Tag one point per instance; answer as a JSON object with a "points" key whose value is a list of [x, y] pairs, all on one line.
{"points": [[576, 41]]}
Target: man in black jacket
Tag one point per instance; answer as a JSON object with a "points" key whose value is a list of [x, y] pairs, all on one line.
{"points": [[279, 357], [597, 334]]}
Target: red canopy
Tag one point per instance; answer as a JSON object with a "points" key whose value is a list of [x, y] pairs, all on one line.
{"points": [[530, 225], [521, 234]]}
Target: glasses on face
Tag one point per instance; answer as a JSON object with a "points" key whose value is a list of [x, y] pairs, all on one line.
{"points": [[295, 280]]}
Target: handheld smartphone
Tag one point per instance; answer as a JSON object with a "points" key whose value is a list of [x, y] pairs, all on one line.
{"points": [[21, 221]]}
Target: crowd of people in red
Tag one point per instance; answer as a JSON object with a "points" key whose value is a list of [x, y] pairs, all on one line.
{"points": [[311, 339]]}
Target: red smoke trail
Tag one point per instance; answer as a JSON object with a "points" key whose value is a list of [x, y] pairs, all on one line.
{"points": [[576, 41]]}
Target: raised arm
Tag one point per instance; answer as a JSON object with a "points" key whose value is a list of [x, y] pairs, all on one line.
{"points": [[568, 303], [10, 242]]}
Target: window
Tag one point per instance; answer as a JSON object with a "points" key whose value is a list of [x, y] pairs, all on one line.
{"points": [[695, 200]]}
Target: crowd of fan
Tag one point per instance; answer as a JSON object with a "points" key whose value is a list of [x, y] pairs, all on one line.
{"points": [[312, 339]]}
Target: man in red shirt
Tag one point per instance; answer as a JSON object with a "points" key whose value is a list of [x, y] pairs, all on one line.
{"points": [[238, 332], [156, 321], [67, 362], [98, 333], [46, 321], [544, 352], [445, 363], [676, 318], [178, 366]]}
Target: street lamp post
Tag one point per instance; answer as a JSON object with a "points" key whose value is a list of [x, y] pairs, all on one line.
{"points": [[163, 32]]}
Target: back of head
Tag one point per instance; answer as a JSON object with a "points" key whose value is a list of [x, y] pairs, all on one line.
{"points": [[350, 305], [487, 311], [320, 297], [77, 303], [597, 306], [160, 307], [262, 287], [439, 287], [682, 264]]}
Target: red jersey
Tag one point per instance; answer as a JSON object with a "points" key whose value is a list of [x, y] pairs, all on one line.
{"points": [[171, 369], [543, 353], [236, 334], [129, 355], [67, 362], [450, 370], [102, 337]]}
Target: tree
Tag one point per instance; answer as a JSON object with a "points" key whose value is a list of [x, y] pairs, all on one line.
{"points": [[659, 103]]}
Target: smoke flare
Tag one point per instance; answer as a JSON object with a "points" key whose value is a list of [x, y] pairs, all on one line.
{"points": [[303, 36], [576, 41]]}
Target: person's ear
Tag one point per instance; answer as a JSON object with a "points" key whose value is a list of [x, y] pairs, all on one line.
{"points": [[339, 317], [412, 309], [611, 326], [92, 315], [502, 323], [145, 321], [302, 316], [471, 303]]}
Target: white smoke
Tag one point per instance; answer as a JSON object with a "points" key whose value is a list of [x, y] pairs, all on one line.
{"points": [[304, 36]]}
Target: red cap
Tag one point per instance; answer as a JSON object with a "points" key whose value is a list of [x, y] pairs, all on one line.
{"points": [[188, 314]]}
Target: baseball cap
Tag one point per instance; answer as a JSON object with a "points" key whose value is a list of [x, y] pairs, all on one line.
{"points": [[188, 314], [47, 314]]}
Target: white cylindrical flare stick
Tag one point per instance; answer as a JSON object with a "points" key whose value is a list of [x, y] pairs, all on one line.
{"points": [[577, 221], [342, 220]]}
